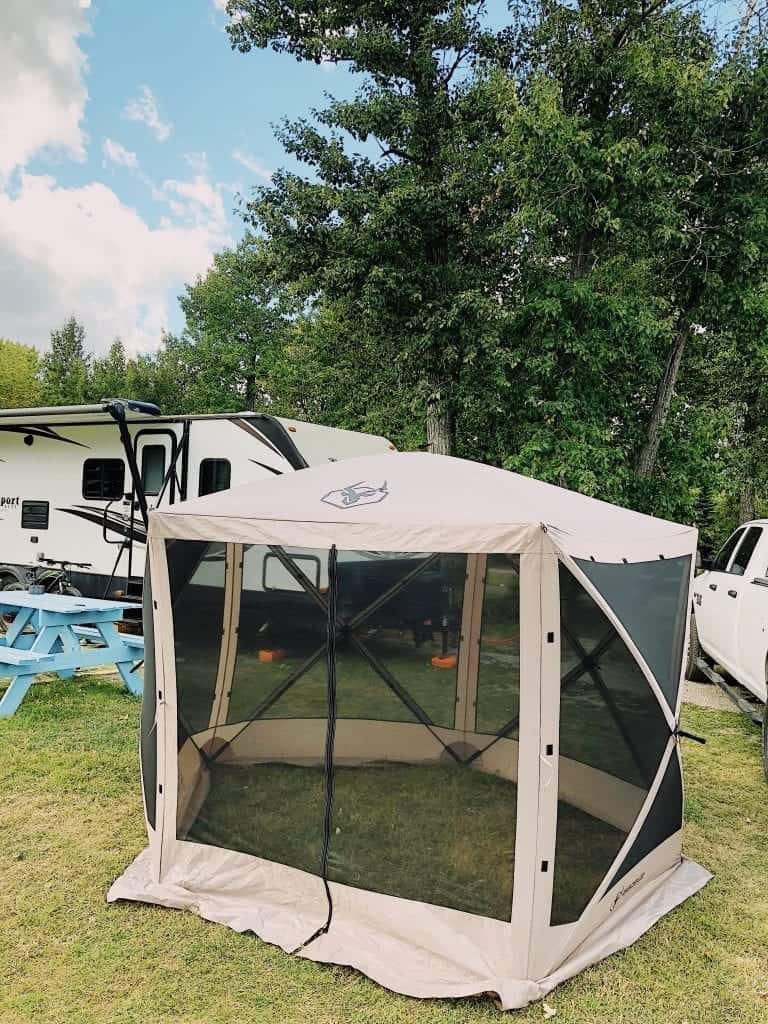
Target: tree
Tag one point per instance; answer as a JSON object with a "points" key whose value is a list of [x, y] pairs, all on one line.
{"points": [[236, 326], [401, 237], [562, 234], [642, 195], [64, 370], [19, 386], [108, 378]]}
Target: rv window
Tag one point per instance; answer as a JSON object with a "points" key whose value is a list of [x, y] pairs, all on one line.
{"points": [[215, 475], [103, 479], [152, 468], [275, 576]]}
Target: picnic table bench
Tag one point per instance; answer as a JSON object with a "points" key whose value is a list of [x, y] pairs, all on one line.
{"points": [[47, 635]]}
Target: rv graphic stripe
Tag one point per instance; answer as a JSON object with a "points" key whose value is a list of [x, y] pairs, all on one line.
{"points": [[47, 432], [250, 429], [116, 522]]}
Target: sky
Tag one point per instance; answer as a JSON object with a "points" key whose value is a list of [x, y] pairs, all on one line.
{"points": [[127, 132]]}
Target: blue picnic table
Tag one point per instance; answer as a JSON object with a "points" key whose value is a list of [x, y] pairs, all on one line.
{"points": [[47, 634]]}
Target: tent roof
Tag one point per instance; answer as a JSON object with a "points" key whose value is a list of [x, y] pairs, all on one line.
{"points": [[412, 501]]}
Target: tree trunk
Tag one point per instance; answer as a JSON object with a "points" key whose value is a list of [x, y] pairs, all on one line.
{"points": [[439, 421], [646, 460], [747, 501]]}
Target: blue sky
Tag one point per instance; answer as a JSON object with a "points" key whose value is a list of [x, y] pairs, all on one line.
{"points": [[128, 129]]}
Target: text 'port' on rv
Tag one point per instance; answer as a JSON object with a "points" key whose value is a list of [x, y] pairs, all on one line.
{"points": [[77, 482]]}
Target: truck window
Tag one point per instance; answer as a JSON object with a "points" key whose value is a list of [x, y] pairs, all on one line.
{"points": [[215, 475], [746, 550], [152, 468], [103, 479], [720, 563]]}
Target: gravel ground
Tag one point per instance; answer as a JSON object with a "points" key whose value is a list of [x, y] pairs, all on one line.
{"points": [[707, 695]]}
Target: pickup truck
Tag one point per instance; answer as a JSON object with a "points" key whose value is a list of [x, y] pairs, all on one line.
{"points": [[730, 605]]}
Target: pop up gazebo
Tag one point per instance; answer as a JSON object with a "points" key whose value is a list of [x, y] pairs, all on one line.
{"points": [[418, 716]]}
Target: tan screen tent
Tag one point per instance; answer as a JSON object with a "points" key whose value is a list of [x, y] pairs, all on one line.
{"points": [[418, 716]]}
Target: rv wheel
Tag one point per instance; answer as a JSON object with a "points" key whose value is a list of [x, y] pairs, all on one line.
{"points": [[7, 617]]}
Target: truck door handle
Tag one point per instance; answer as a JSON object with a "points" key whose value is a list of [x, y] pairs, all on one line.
{"points": [[732, 593], [713, 586]]}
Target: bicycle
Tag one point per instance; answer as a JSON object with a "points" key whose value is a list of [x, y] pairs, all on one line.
{"points": [[46, 581]]}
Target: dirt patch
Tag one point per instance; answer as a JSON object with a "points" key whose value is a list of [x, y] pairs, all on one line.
{"points": [[707, 695]]}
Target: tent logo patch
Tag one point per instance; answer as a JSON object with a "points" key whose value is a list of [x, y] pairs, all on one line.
{"points": [[353, 495], [627, 889]]}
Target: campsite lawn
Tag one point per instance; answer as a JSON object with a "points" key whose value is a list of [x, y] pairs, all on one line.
{"points": [[70, 821]]}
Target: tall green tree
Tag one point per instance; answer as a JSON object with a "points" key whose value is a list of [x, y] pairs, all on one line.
{"points": [[65, 368], [236, 327], [19, 384], [397, 229], [642, 196], [108, 375]]}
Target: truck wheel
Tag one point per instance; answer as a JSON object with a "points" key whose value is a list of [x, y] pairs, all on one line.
{"points": [[692, 670]]}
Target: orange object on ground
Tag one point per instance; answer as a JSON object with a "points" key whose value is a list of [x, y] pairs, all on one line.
{"points": [[449, 661], [274, 655]]}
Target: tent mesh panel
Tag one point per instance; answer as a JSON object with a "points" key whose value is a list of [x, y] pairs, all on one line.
{"points": [[197, 577], [407, 807], [612, 737], [664, 819], [650, 599], [498, 679]]}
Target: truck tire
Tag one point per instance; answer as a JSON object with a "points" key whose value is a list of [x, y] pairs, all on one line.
{"points": [[692, 671]]}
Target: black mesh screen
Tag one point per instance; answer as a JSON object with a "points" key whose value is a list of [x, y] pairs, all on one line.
{"points": [[197, 574], [417, 812], [650, 599], [498, 680], [664, 819], [612, 737]]}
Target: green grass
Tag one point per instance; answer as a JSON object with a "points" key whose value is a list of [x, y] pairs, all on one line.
{"points": [[71, 820]]}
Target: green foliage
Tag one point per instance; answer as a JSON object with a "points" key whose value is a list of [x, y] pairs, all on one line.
{"points": [[237, 325], [109, 374], [562, 234], [19, 386], [402, 239], [64, 369]]}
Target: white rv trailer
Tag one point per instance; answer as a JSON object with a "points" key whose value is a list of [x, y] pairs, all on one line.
{"points": [[75, 481]]}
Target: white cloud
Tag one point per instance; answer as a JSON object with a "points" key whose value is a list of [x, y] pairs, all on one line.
{"points": [[144, 108], [118, 154], [43, 95], [82, 250], [254, 164]]}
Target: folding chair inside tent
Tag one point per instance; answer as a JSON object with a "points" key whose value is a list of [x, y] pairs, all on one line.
{"points": [[417, 734]]}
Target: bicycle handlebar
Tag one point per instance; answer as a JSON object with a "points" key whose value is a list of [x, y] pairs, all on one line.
{"points": [[65, 564]]}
